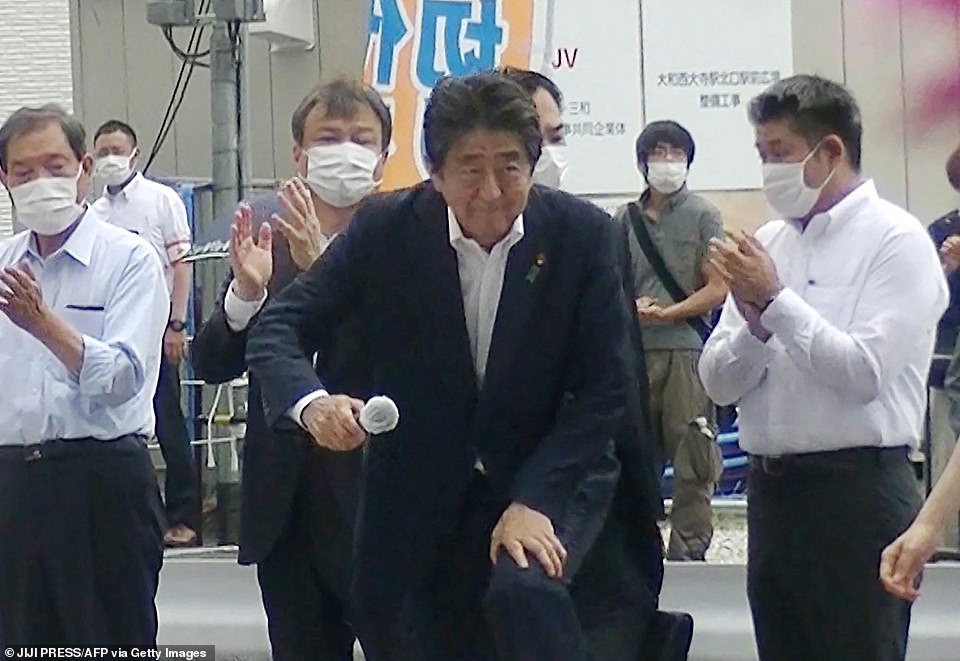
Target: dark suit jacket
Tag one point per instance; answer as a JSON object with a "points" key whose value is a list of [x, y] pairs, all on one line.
{"points": [[272, 459], [561, 329]]}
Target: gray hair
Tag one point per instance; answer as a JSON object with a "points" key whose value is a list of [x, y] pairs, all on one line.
{"points": [[29, 120]]}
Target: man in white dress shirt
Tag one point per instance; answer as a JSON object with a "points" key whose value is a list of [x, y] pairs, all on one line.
{"points": [[82, 311], [826, 342], [156, 213]]}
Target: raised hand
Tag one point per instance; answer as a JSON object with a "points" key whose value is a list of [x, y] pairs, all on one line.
{"points": [[251, 261]]}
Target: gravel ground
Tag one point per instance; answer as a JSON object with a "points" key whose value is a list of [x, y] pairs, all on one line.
{"points": [[729, 544]]}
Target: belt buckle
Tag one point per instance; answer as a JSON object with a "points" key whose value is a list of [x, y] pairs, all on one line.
{"points": [[34, 455]]}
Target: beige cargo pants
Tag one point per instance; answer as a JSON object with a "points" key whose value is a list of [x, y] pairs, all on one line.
{"points": [[677, 399]]}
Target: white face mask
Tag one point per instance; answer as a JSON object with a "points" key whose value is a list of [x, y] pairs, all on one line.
{"points": [[667, 177], [47, 205], [786, 189], [342, 174], [551, 167], [111, 170]]}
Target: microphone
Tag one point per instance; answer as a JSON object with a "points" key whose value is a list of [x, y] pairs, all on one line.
{"points": [[379, 415]]}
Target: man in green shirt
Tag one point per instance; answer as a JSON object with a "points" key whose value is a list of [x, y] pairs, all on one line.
{"points": [[673, 225]]}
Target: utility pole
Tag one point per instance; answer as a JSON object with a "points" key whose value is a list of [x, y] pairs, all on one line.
{"points": [[225, 70], [230, 174]]}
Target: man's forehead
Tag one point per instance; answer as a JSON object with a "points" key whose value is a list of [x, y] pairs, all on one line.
{"points": [[112, 138], [484, 143], [777, 131], [663, 144], [360, 116], [43, 141], [480, 153]]}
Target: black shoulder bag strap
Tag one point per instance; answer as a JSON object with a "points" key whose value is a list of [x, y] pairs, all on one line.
{"points": [[660, 268]]}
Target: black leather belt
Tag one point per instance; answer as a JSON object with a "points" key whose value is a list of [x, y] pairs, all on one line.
{"points": [[67, 447], [829, 460]]}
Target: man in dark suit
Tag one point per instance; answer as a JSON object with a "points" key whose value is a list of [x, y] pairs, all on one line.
{"points": [[298, 499], [496, 321], [617, 590]]}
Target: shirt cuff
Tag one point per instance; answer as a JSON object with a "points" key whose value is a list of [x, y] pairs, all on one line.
{"points": [[238, 312], [787, 314], [296, 411], [748, 346], [106, 370]]}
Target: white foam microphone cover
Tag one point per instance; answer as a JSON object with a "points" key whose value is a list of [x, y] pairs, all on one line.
{"points": [[379, 415]]}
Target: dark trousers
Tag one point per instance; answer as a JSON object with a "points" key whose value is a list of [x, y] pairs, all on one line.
{"points": [[180, 483], [81, 544], [818, 524], [469, 610], [305, 579]]}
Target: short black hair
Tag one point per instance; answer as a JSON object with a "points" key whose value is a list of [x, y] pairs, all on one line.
{"points": [[531, 81], [339, 98], [665, 131], [116, 126], [29, 120], [487, 100], [815, 107]]}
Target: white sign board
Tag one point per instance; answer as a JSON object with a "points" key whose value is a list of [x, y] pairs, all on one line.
{"points": [[593, 54], [703, 60]]}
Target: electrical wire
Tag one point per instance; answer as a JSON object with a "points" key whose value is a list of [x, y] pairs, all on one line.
{"points": [[168, 35], [187, 66]]}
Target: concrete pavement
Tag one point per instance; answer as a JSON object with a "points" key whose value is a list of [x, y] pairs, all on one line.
{"points": [[215, 601]]}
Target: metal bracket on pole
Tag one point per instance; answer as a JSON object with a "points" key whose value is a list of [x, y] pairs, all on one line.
{"points": [[172, 13]]}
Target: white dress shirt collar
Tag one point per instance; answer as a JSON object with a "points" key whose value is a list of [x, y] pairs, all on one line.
{"points": [[457, 237], [481, 284], [848, 207], [78, 245], [126, 190]]}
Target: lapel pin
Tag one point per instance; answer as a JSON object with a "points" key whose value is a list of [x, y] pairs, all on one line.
{"points": [[534, 271]]}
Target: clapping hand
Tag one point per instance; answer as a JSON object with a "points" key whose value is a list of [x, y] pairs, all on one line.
{"points": [[746, 266], [21, 299], [251, 261], [748, 270], [299, 223]]}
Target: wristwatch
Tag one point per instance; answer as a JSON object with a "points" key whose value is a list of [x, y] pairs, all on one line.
{"points": [[176, 325], [771, 299]]}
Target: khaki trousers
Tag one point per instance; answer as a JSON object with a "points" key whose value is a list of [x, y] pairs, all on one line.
{"points": [[677, 401]]}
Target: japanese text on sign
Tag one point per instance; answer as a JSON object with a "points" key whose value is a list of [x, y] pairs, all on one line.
{"points": [[594, 129], [717, 78], [720, 100]]}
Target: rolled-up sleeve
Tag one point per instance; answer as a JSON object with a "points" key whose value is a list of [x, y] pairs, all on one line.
{"points": [[115, 364], [175, 228]]}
